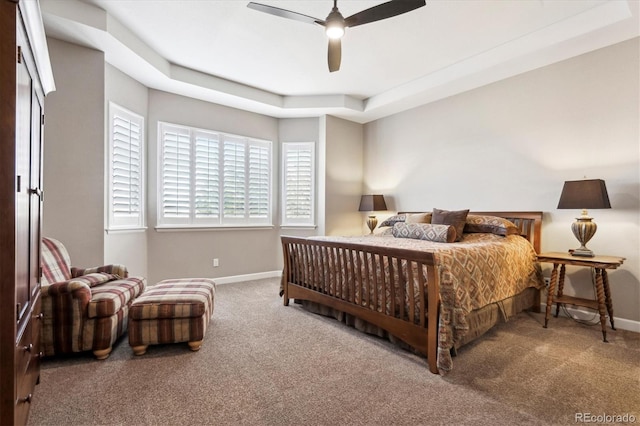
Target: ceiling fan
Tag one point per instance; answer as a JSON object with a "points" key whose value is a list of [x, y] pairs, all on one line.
{"points": [[335, 23]]}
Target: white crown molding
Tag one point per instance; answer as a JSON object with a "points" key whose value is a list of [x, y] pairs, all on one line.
{"points": [[32, 18]]}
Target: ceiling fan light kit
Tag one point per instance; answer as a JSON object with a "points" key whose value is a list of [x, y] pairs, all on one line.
{"points": [[335, 24]]}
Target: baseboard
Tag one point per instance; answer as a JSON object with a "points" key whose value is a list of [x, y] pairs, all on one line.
{"points": [[248, 277], [583, 315]]}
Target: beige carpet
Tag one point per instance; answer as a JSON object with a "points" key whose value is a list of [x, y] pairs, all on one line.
{"points": [[265, 364]]}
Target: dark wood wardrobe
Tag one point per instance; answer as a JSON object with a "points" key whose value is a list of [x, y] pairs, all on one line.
{"points": [[25, 78]]}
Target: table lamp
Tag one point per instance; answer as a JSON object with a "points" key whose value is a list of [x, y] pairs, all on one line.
{"points": [[372, 203], [584, 194]]}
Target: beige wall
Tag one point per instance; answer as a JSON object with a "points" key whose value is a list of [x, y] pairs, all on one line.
{"points": [[74, 153], [511, 145], [74, 162], [175, 254], [126, 248], [343, 174]]}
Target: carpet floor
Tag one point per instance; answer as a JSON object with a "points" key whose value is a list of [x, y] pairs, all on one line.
{"points": [[265, 364]]}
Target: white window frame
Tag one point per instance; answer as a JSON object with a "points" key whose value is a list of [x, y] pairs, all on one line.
{"points": [[306, 221], [222, 220], [133, 222]]}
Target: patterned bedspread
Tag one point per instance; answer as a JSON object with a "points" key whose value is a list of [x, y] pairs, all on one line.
{"points": [[480, 270]]}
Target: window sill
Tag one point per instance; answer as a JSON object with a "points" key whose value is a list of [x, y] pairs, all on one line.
{"points": [[298, 226], [174, 228], [125, 230]]}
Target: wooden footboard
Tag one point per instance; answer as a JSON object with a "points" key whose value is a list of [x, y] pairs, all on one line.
{"points": [[383, 286]]}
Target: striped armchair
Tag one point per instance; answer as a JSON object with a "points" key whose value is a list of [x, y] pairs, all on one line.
{"points": [[83, 309]]}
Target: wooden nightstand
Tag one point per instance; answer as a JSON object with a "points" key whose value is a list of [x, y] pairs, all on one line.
{"points": [[603, 293]]}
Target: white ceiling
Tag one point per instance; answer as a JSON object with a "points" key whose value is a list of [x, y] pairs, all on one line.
{"points": [[224, 52]]}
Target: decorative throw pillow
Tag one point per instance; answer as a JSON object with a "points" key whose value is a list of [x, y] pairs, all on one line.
{"points": [[418, 218], [95, 278], [383, 231], [425, 231], [490, 225], [457, 219], [390, 221]]}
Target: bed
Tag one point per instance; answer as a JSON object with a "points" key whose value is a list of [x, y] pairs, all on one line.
{"points": [[433, 296]]}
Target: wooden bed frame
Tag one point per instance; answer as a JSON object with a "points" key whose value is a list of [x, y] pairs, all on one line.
{"points": [[304, 279]]}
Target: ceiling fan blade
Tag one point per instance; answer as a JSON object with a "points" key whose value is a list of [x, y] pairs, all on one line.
{"points": [[383, 11], [334, 54], [283, 13]]}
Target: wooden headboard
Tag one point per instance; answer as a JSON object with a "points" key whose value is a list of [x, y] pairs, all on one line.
{"points": [[529, 223]]}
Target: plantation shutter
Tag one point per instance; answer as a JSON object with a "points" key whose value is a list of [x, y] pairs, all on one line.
{"points": [[259, 181], [207, 176], [176, 173], [234, 179], [298, 183], [126, 169]]}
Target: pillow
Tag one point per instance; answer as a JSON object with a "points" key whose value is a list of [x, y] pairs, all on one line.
{"points": [[418, 218], [490, 225], [384, 231], [390, 221], [425, 231], [455, 218], [95, 278]]}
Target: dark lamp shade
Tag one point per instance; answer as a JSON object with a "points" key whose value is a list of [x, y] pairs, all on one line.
{"points": [[372, 203], [584, 194]]}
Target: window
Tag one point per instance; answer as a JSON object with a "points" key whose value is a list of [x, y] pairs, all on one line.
{"points": [[298, 183], [209, 178], [126, 174]]}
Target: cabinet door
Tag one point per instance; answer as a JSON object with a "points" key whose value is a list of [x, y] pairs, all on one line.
{"points": [[35, 191], [23, 183], [29, 179]]}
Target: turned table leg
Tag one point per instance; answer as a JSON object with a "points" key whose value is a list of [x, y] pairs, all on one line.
{"points": [[550, 291], [607, 296], [601, 303], [563, 270]]}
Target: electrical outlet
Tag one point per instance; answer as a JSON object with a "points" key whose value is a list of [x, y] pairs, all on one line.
{"points": [[216, 262], [547, 280]]}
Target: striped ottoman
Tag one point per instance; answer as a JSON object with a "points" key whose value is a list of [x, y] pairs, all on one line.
{"points": [[171, 311]]}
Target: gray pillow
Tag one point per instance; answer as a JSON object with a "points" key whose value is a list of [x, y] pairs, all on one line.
{"points": [[390, 221], [418, 218], [456, 218], [425, 231], [490, 225]]}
